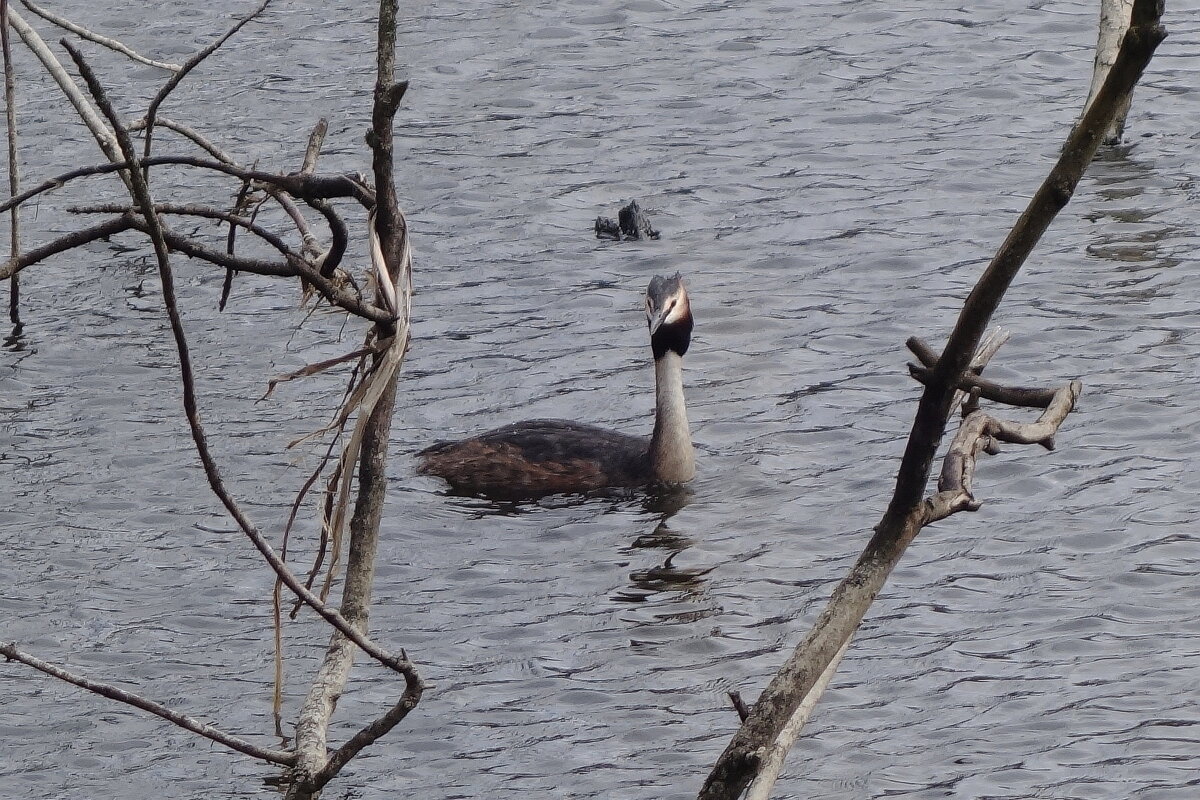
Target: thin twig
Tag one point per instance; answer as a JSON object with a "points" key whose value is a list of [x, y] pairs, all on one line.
{"points": [[201, 141], [205, 212], [315, 187], [319, 367], [313, 151], [87, 112], [1029, 397], [188, 66], [103, 41], [739, 705], [68, 241], [191, 134], [14, 175], [144, 200], [11, 652]]}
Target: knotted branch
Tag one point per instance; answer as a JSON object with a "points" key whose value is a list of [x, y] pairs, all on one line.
{"points": [[742, 761]]}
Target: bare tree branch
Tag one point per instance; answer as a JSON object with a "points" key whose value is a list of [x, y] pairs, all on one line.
{"points": [[392, 266], [144, 200], [988, 390], [977, 434], [313, 151], [1115, 16], [14, 179], [66, 242], [205, 212], [87, 112], [742, 760], [103, 41], [188, 133], [10, 652], [314, 187], [774, 756], [188, 66]]}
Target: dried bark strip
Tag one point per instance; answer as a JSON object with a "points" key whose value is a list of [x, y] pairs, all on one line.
{"points": [[391, 262]]}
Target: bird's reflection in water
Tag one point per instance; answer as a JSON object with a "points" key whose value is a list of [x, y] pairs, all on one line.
{"points": [[659, 505], [663, 503]]}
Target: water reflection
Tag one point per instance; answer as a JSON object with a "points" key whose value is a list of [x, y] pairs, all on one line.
{"points": [[1128, 234], [15, 341]]}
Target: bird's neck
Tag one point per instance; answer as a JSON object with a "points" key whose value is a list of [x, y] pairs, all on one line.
{"points": [[671, 453]]}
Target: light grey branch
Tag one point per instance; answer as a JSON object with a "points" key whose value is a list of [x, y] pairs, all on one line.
{"points": [[978, 433], [1115, 16], [10, 652], [103, 41], [87, 112]]}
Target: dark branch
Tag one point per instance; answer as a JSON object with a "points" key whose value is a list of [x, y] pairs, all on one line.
{"points": [[141, 195], [66, 242], [988, 390], [306, 187], [187, 67], [11, 652]]}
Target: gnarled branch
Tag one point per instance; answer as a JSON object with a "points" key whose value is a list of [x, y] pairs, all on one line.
{"points": [[741, 761]]}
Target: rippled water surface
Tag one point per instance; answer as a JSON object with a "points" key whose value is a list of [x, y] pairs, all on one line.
{"points": [[830, 179]]}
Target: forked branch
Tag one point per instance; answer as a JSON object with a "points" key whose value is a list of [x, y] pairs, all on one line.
{"points": [[742, 761]]}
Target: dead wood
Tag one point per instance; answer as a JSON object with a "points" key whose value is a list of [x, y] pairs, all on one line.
{"points": [[188, 66], [369, 399], [14, 180], [632, 223], [783, 699], [141, 195], [10, 652], [391, 259], [92, 36], [1029, 397]]}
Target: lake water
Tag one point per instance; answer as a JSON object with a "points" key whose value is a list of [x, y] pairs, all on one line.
{"points": [[830, 179]]}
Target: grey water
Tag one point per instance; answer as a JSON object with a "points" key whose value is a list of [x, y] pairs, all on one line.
{"points": [[830, 178]]}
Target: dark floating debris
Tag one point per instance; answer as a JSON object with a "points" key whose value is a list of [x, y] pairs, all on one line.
{"points": [[632, 224]]}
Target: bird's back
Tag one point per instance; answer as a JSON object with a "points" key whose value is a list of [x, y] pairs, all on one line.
{"points": [[541, 456]]}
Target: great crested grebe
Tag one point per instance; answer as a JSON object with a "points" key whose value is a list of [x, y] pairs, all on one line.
{"points": [[549, 456]]}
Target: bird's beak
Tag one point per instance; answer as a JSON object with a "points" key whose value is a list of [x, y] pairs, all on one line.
{"points": [[655, 320]]}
